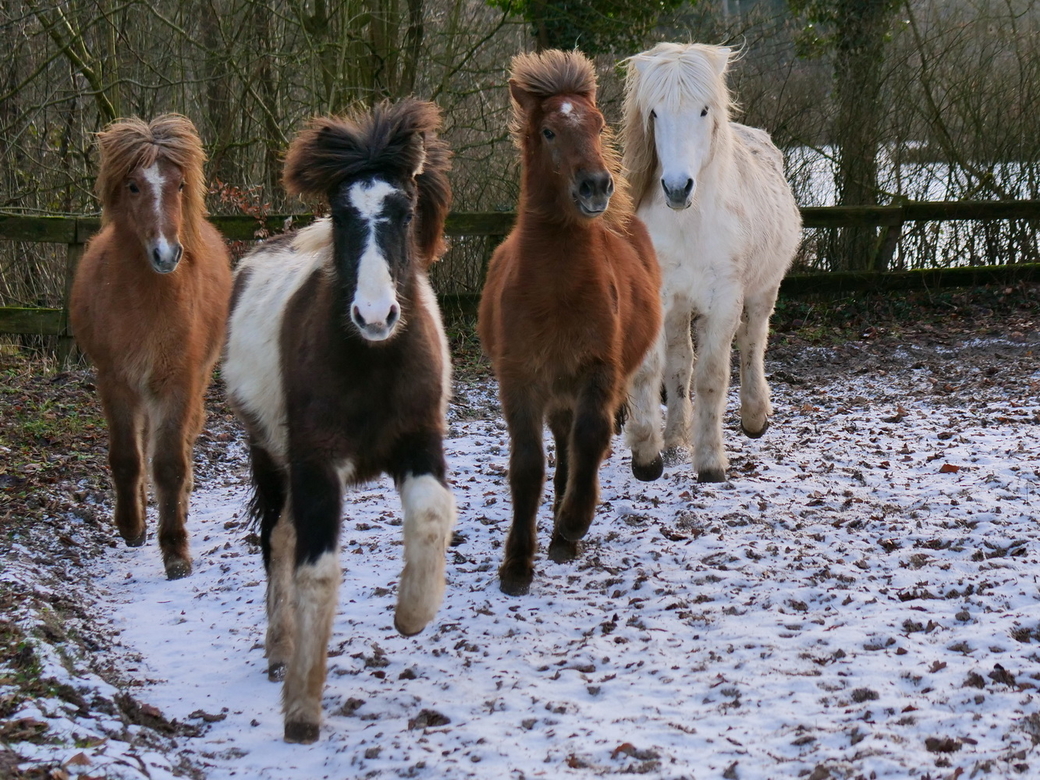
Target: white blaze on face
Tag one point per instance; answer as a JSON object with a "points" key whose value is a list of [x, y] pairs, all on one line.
{"points": [[375, 300], [156, 181]]}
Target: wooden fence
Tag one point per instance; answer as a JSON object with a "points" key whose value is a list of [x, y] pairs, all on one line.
{"points": [[73, 232]]}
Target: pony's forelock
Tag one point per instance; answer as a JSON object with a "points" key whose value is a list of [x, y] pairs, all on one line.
{"points": [[128, 145], [390, 139], [398, 140]]}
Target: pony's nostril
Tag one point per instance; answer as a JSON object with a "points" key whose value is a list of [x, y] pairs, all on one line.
{"points": [[585, 190], [356, 313], [156, 257], [178, 251], [391, 318], [610, 186], [688, 187]]}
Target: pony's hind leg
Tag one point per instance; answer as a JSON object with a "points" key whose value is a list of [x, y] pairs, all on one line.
{"points": [[316, 503], [590, 438], [752, 335], [643, 428], [560, 423], [429, 516], [526, 479], [124, 412], [269, 508], [177, 423]]}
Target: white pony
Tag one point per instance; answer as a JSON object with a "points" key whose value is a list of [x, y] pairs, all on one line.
{"points": [[726, 227]]}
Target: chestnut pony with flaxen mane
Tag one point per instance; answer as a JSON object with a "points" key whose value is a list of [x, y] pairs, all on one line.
{"points": [[571, 303], [148, 307]]}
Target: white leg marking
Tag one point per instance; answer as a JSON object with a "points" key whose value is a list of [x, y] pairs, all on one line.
{"points": [[317, 585], [429, 516]]}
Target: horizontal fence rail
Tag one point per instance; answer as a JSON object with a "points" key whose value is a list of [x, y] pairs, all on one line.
{"points": [[74, 232]]}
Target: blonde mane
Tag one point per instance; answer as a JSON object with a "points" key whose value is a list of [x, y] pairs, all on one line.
{"points": [[130, 144], [553, 72], [672, 75]]}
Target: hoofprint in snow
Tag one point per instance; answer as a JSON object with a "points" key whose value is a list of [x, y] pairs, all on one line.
{"points": [[860, 600]]}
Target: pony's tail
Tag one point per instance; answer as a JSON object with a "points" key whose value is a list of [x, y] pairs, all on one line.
{"points": [[270, 492]]}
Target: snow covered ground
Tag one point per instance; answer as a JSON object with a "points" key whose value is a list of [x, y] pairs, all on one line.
{"points": [[860, 600]]}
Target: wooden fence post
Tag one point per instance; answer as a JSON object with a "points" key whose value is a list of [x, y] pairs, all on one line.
{"points": [[67, 353]]}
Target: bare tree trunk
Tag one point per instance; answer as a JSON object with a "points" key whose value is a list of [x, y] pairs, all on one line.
{"points": [[219, 119], [861, 29]]}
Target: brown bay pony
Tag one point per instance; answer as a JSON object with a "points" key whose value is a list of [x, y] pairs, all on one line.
{"points": [[570, 306], [338, 366], [148, 307]]}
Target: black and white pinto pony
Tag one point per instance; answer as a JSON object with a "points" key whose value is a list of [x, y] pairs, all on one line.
{"points": [[726, 227], [338, 366]]}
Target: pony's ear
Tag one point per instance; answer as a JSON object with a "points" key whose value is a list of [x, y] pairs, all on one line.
{"points": [[639, 63], [527, 101], [720, 59], [420, 165]]}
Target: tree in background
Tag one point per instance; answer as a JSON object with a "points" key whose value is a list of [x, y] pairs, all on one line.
{"points": [[854, 32]]}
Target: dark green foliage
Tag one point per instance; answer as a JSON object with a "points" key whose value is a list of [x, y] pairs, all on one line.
{"points": [[594, 26]]}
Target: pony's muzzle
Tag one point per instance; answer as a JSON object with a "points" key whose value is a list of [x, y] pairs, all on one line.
{"points": [[678, 197], [375, 327], [164, 256], [593, 191]]}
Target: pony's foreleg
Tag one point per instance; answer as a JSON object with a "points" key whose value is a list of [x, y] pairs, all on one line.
{"points": [[643, 428], [678, 368], [124, 412], [429, 516], [715, 334], [526, 478], [561, 421], [590, 438], [176, 424], [314, 495], [752, 336]]}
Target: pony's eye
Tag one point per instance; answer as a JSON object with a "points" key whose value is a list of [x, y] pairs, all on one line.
{"points": [[653, 115], [180, 187], [132, 186], [704, 111], [549, 134]]}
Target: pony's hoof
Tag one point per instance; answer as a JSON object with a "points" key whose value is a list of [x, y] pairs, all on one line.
{"points": [[407, 630], [562, 550], [276, 671], [754, 434], [673, 456], [573, 529], [515, 580], [302, 733], [137, 540], [177, 568], [711, 475], [649, 472]]}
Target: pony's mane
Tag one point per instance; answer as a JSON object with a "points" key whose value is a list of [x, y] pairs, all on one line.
{"points": [[554, 72], [672, 75], [395, 139], [129, 144]]}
